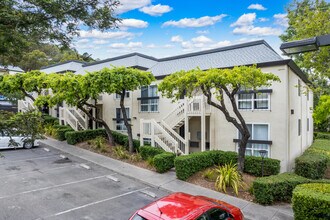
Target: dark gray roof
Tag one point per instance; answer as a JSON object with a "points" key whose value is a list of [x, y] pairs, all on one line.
{"points": [[61, 63], [236, 55]]}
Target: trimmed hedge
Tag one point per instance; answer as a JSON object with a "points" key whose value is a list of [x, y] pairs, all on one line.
{"points": [[268, 190], [164, 162], [311, 201], [321, 135], [187, 165], [148, 151], [48, 119], [60, 133], [313, 163], [75, 137]]}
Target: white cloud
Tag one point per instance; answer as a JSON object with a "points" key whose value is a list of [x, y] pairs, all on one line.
{"points": [[245, 20], [132, 23], [203, 32], [151, 46], [195, 22], [257, 7], [176, 39], [105, 35], [100, 42], [130, 45], [201, 39], [128, 5], [263, 19], [156, 10], [82, 41], [281, 19], [167, 46], [257, 31]]}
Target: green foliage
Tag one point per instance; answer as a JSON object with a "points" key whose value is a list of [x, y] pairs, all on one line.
{"points": [[121, 152], [215, 84], [33, 60], [148, 151], [307, 19], [268, 190], [122, 139], [135, 157], [321, 113], [35, 22], [228, 175], [253, 166], [322, 135], [187, 165], [150, 161], [75, 137], [59, 133], [313, 163], [164, 162], [49, 120], [311, 201], [210, 174], [99, 143]]}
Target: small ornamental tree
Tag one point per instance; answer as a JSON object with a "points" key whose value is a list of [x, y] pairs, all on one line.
{"points": [[21, 85], [218, 85], [321, 113], [81, 91], [122, 80]]}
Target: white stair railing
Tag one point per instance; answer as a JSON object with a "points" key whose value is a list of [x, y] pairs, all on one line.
{"points": [[81, 117], [69, 117], [175, 116], [180, 140]]}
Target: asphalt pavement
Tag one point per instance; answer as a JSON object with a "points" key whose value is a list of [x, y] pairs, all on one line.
{"points": [[45, 183]]}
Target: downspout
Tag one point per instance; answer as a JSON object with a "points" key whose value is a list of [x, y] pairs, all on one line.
{"points": [[288, 118]]}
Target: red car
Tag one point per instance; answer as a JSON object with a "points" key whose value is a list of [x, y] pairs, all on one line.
{"points": [[182, 206]]}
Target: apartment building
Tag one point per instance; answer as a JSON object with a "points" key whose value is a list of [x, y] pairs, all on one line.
{"points": [[279, 117]]}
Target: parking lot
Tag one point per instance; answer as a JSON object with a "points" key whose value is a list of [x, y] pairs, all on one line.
{"points": [[40, 184]]}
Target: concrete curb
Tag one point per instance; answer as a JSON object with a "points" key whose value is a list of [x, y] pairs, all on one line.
{"points": [[169, 182]]}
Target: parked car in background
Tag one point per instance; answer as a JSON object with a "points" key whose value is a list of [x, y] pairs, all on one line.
{"points": [[21, 142], [182, 206]]}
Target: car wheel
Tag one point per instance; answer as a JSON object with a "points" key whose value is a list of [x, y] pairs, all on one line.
{"points": [[28, 144]]}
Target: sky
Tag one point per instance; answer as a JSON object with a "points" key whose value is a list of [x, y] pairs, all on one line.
{"points": [[163, 28]]}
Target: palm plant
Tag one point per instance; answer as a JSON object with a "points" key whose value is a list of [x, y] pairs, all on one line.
{"points": [[228, 175]]}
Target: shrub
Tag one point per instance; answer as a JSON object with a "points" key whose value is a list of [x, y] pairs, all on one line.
{"points": [[99, 143], [187, 165], [228, 175], [164, 162], [210, 174], [311, 201], [60, 133], [148, 151], [75, 137], [121, 152], [321, 135], [150, 162], [268, 190], [313, 163], [50, 120], [135, 157], [253, 166]]}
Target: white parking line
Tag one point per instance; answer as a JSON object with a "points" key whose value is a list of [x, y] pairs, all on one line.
{"points": [[85, 166], [46, 149], [32, 171], [31, 158], [113, 178], [52, 187], [148, 193], [97, 202]]}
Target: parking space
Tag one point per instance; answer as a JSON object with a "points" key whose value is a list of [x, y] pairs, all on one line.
{"points": [[40, 184]]}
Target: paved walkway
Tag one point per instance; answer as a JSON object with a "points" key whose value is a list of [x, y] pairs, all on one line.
{"points": [[168, 181]]}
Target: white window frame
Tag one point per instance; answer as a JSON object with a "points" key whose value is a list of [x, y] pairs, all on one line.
{"points": [[256, 149], [150, 101], [127, 96], [253, 100], [121, 124]]}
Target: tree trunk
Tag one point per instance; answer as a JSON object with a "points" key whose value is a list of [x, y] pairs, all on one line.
{"points": [[128, 125], [241, 151], [101, 121]]}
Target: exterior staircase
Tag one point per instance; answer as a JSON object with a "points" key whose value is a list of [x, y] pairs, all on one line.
{"points": [[164, 133], [77, 119], [27, 104]]}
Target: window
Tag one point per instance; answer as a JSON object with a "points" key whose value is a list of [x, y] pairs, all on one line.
{"points": [[259, 134], [299, 87], [253, 101], [307, 124], [149, 99], [218, 214], [126, 95], [120, 126], [299, 127], [147, 141]]}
